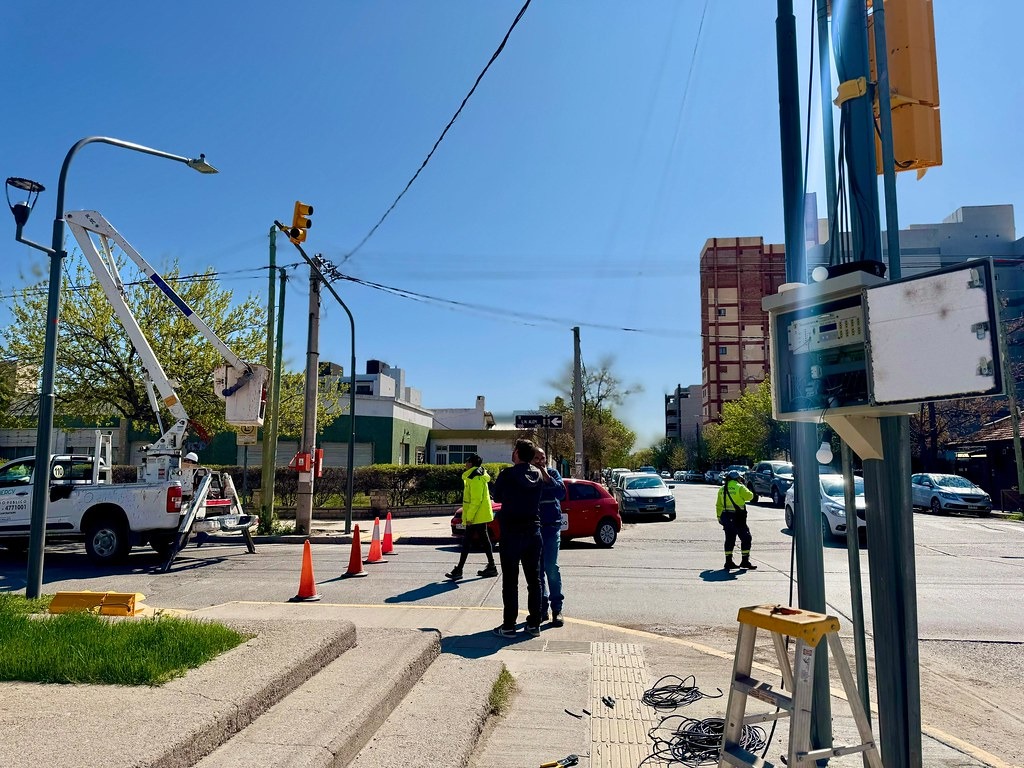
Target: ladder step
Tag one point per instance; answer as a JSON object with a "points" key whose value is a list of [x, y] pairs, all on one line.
{"points": [[767, 717], [762, 692], [741, 758], [822, 754]]}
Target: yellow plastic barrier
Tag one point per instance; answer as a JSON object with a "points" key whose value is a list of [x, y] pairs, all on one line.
{"points": [[104, 603]]}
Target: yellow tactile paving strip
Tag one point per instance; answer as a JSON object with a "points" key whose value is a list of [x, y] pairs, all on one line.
{"points": [[618, 734]]}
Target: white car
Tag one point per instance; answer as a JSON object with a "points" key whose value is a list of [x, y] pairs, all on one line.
{"points": [[949, 493], [833, 507]]}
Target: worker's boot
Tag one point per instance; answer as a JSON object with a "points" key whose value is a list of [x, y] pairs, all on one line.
{"points": [[455, 574], [729, 564], [746, 564], [490, 570]]}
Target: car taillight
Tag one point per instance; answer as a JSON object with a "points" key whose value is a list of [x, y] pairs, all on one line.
{"points": [[174, 500]]}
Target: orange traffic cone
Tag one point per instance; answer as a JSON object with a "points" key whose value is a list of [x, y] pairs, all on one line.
{"points": [[307, 583], [355, 560], [388, 547], [375, 555]]}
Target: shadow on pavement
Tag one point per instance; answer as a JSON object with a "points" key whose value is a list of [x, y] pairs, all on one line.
{"points": [[480, 644], [718, 574], [427, 590]]}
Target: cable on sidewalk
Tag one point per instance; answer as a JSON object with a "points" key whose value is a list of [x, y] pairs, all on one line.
{"points": [[674, 695], [689, 742]]}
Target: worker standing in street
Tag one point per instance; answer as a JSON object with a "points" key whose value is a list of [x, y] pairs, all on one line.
{"points": [[731, 509], [476, 515]]}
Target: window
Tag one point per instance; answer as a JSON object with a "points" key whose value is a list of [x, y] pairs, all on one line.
{"points": [[723, 350], [722, 313], [364, 389], [457, 454], [17, 474], [723, 387], [582, 492]]}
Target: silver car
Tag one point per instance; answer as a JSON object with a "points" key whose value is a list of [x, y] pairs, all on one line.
{"points": [[833, 507], [949, 493], [646, 494]]}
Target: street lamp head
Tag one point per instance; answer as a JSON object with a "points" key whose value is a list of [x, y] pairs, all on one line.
{"points": [[201, 165], [23, 208]]}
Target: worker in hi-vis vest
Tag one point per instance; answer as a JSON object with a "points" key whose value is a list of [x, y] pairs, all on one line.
{"points": [[731, 509]]}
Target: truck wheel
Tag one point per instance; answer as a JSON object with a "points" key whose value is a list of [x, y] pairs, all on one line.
{"points": [[16, 546], [777, 497], [106, 540], [606, 534]]}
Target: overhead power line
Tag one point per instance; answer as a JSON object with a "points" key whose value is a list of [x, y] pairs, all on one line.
{"points": [[440, 138]]}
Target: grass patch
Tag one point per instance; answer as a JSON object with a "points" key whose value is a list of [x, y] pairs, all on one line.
{"points": [[1015, 516], [86, 648], [501, 692]]}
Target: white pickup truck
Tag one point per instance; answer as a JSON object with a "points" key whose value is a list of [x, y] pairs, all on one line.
{"points": [[110, 517]]}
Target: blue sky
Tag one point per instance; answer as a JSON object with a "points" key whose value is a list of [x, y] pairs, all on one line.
{"points": [[602, 148]]}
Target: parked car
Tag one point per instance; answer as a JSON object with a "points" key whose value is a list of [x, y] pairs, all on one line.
{"points": [[949, 493], [613, 476], [665, 474], [713, 476], [833, 507], [647, 468], [646, 494], [741, 468], [587, 510], [693, 476], [679, 477], [771, 479]]}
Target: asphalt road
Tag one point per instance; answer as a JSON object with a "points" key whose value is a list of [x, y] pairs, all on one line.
{"points": [[664, 577]]}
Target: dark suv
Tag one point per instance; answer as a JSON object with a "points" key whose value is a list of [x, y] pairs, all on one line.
{"points": [[772, 479]]}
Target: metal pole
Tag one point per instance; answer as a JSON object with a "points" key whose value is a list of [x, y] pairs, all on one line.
{"points": [[304, 498], [827, 130], [856, 588], [44, 430], [245, 473], [892, 223], [275, 398], [1011, 393], [267, 476], [577, 403], [810, 564]]}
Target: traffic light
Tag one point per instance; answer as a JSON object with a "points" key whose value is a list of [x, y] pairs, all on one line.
{"points": [[913, 85], [300, 222]]}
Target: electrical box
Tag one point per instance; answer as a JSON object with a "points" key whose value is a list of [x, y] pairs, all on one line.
{"points": [[857, 345], [244, 395]]}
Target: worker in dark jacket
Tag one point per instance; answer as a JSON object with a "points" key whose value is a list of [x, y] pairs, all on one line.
{"points": [[552, 492], [732, 516], [518, 489]]}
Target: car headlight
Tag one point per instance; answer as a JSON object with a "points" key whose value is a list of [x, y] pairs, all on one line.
{"points": [[835, 510], [947, 495]]}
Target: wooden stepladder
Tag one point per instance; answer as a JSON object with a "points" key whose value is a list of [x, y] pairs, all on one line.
{"points": [[808, 629]]}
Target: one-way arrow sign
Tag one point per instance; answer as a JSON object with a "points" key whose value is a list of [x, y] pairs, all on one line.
{"points": [[535, 420]]}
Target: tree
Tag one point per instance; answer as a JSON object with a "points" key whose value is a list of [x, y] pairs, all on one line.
{"points": [[292, 410], [99, 374], [747, 430]]}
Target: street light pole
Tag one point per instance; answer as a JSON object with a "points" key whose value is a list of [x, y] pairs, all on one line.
{"points": [[44, 430]]}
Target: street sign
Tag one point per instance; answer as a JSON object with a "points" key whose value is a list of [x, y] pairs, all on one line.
{"points": [[246, 435], [537, 420]]}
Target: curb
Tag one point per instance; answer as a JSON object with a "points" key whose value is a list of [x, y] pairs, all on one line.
{"points": [[342, 538]]}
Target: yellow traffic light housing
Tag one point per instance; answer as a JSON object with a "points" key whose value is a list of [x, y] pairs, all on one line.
{"points": [[300, 222], [913, 85]]}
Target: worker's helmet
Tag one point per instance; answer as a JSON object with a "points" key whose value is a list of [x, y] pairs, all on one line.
{"points": [[191, 456], [733, 475]]}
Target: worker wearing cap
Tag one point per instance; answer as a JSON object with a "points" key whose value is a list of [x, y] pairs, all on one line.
{"points": [[731, 509]]}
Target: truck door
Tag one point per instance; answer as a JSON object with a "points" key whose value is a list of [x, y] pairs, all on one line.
{"points": [[16, 496]]}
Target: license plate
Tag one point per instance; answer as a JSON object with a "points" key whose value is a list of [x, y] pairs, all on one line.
{"points": [[651, 509], [460, 526], [565, 522]]}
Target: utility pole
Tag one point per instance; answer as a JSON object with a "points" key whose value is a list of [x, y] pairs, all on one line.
{"points": [[1011, 393], [267, 477], [809, 559], [577, 403], [304, 499], [275, 399]]}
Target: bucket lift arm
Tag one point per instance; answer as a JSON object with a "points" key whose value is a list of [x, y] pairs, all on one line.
{"points": [[246, 409]]}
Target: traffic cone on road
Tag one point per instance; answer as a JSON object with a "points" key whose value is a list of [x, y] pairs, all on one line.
{"points": [[375, 555], [388, 547], [355, 560], [307, 582]]}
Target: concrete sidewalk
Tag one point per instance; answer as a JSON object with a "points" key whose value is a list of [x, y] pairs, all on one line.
{"points": [[241, 707], [431, 529]]}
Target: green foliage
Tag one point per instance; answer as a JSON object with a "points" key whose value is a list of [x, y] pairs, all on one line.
{"points": [[747, 431], [86, 648], [101, 375], [329, 402], [502, 691]]}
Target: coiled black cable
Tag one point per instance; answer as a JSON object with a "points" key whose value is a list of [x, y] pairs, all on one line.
{"points": [[670, 696], [679, 739]]}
